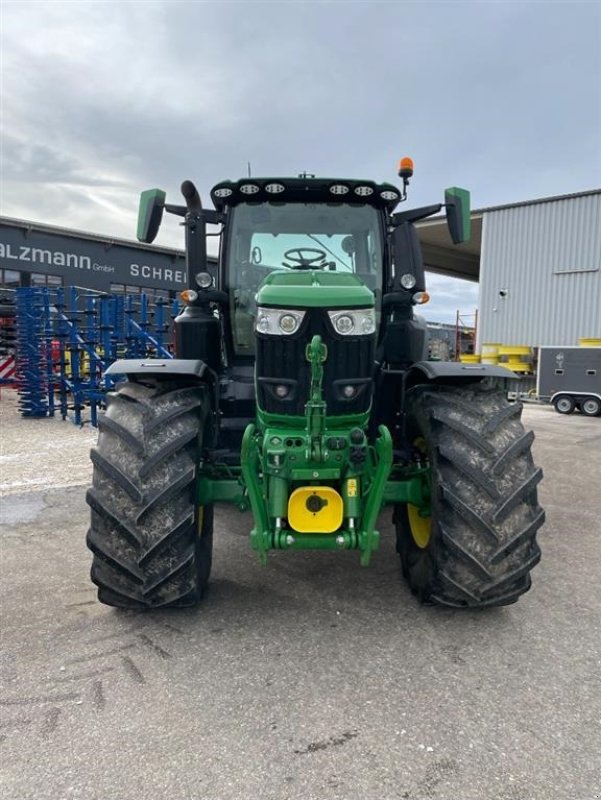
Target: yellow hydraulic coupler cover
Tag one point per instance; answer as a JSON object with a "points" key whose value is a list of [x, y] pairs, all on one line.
{"points": [[315, 509]]}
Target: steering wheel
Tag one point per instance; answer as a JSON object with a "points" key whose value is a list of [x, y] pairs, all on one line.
{"points": [[304, 261]]}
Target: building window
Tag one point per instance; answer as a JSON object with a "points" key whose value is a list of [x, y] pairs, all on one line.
{"points": [[151, 294], [41, 279], [10, 278]]}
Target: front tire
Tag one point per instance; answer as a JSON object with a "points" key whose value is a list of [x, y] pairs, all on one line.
{"points": [[152, 545], [479, 544]]}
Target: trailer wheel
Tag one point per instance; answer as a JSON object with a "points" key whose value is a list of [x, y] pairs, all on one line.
{"points": [[591, 406], [152, 545], [477, 547], [564, 404]]}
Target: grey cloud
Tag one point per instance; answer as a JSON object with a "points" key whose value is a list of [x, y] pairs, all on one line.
{"points": [[24, 159]]}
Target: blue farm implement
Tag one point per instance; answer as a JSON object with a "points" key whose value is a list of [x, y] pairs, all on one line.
{"points": [[67, 339]]}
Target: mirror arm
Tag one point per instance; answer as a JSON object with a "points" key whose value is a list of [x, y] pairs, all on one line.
{"points": [[210, 217], [213, 217], [179, 211], [414, 214]]}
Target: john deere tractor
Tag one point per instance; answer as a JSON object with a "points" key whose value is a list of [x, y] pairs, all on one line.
{"points": [[301, 391]]}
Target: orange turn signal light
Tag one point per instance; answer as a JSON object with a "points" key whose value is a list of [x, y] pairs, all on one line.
{"points": [[405, 167], [188, 295], [421, 297]]}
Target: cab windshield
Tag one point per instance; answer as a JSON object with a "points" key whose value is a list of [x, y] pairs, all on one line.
{"points": [[296, 236]]}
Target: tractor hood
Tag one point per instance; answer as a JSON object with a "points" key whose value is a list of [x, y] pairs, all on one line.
{"points": [[314, 289]]}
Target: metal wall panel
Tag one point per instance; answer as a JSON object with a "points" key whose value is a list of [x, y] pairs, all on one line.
{"points": [[547, 258]]}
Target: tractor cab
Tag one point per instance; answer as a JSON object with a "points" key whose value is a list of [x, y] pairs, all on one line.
{"points": [[302, 257], [297, 226]]}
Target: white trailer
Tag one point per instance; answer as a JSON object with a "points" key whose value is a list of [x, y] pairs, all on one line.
{"points": [[570, 378]]}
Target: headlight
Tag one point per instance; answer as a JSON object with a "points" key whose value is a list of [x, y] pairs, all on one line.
{"points": [[354, 321], [204, 280], [278, 321], [407, 280], [288, 323], [344, 324]]}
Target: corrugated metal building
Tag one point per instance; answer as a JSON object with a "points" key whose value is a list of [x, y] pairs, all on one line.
{"points": [[540, 272], [538, 264]]}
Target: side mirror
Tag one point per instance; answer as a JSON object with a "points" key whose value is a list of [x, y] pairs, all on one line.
{"points": [[457, 202], [150, 214]]}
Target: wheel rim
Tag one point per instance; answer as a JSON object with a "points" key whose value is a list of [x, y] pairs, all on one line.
{"points": [[564, 404], [421, 527], [591, 407]]}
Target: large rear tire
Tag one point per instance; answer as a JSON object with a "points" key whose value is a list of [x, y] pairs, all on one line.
{"points": [[152, 545], [479, 544]]}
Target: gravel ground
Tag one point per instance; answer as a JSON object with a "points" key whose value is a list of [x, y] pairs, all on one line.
{"points": [[41, 453], [309, 679]]}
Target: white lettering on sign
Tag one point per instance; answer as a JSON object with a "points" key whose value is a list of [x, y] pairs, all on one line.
{"points": [[48, 258], [35, 255], [156, 273]]}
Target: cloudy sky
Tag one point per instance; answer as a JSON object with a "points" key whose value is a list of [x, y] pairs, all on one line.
{"points": [[104, 99]]}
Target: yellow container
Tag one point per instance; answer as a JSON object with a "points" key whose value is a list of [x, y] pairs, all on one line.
{"points": [[517, 366], [490, 353], [516, 357], [514, 350], [589, 342], [469, 358]]}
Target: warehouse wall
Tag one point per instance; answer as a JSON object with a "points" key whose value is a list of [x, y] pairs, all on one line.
{"points": [[546, 257]]}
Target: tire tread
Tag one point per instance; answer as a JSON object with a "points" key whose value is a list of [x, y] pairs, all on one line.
{"points": [[143, 532], [485, 507]]}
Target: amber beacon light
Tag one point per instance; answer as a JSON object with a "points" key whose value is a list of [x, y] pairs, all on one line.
{"points": [[405, 168]]}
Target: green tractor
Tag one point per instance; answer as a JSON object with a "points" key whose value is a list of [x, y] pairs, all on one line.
{"points": [[300, 391]]}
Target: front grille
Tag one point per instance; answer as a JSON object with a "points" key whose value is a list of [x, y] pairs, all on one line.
{"points": [[280, 360]]}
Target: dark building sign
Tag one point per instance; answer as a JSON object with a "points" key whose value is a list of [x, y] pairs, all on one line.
{"points": [[82, 260]]}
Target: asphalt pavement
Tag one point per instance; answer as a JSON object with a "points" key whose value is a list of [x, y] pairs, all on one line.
{"points": [[312, 678]]}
